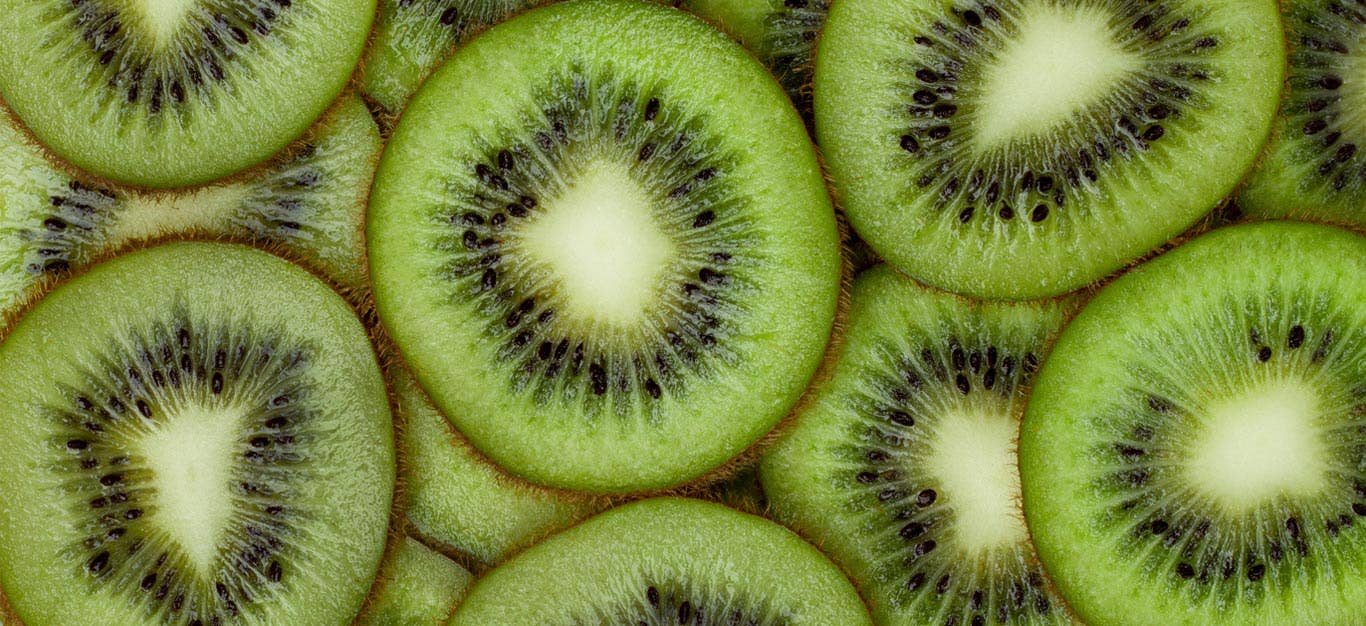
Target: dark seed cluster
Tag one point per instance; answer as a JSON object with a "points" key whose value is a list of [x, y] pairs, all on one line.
{"points": [[141, 386], [1184, 534], [1322, 36], [64, 237], [457, 18], [585, 118], [283, 201], [909, 395], [207, 49], [677, 604], [793, 31], [1032, 180]]}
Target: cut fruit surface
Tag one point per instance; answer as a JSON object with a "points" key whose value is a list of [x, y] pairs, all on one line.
{"points": [[169, 94], [419, 588], [196, 433], [1194, 451], [621, 276], [1026, 148], [667, 561], [781, 33], [903, 468]]}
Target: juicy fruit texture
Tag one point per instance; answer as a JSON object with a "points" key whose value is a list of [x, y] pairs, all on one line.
{"points": [[1026, 148], [208, 439], [310, 202], [1312, 170], [782, 33], [662, 561], [621, 277], [460, 500], [167, 94], [413, 37], [1194, 444], [420, 588], [904, 467]]}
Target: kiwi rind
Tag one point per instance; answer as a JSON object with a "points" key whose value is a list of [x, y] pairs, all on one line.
{"points": [[407, 298], [1077, 523], [420, 587], [192, 278], [966, 251], [310, 200], [273, 93], [666, 542]]}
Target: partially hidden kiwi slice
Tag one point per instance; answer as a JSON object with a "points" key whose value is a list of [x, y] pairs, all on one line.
{"points": [[903, 468], [782, 33], [1194, 451], [1312, 170], [610, 257], [456, 498], [195, 434], [419, 587], [310, 202], [413, 37], [1025, 148], [168, 94], [667, 561]]}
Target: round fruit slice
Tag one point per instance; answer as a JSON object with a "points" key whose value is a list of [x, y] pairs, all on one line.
{"points": [[1194, 451], [310, 201], [903, 468], [1025, 149], [667, 561], [613, 266], [160, 94], [195, 434], [1312, 169]]}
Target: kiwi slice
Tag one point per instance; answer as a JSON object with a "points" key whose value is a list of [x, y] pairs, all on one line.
{"points": [[458, 499], [903, 468], [1024, 149], [161, 95], [1311, 169], [782, 33], [413, 37], [196, 434], [310, 203], [1194, 451], [667, 561], [420, 588], [610, 257]]}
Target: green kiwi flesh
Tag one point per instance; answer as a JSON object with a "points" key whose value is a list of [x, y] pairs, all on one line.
{"points": [[413, 37], [903, 467], [458, 499], [1194, 451], [195, 434], [667, 561], [420, 588], [168, 94], [1026, 148], [310, 201], [1312, 169], [620, 277], [782, 33]]}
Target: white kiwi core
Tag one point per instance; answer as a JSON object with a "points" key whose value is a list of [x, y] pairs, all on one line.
{"points": [[1260, 446], [1064, 59], [599, 242], [190, 455], [975, 461], [163, 17]]}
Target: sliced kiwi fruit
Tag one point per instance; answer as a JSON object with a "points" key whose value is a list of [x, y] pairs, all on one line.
{"points": [[1024, 149], [782, 33], [413, 37], [310, 202], [610, 258], [903, 467], [420, 588], [196, 434], [158, 94], [458, 499], [1194, 451], [1311, 169], [667, 561]]}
